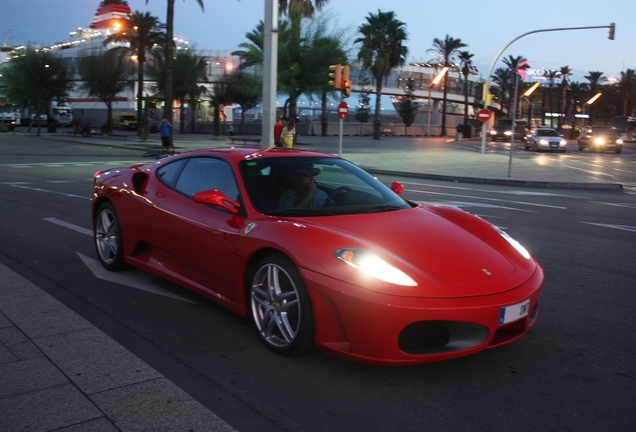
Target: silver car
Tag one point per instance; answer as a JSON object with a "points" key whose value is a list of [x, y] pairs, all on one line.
{"points": [[545, 139]]}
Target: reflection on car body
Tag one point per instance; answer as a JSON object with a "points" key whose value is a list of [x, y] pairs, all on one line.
{"points": [[368, 276]]}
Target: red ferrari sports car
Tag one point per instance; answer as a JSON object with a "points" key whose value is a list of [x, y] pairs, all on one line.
{"points": [[319, 253]]}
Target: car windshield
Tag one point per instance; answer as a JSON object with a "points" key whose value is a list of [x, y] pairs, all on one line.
{"points": [[547, 132], [603, 131], [315, 186]]}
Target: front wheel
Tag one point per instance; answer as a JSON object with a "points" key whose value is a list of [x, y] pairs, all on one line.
{"points": [[280, 306], [108, 239]]}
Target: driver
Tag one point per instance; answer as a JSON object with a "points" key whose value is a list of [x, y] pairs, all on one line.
{"points": [[304, 193]]}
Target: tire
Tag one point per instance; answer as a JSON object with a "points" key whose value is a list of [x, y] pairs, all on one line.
{"points": [[108, 238], [280, 307], [580, 146]]}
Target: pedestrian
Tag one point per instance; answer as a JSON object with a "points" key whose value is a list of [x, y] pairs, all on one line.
{"points": [[278, 129], [288, 133], [164, 132], [76, 128]]}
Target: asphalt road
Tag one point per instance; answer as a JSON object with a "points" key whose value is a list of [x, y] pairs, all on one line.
{"points": [[575, 371]]}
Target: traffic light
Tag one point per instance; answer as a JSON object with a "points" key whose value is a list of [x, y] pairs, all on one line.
{"points": [[346, 82], [612, 29], [336, 76]]}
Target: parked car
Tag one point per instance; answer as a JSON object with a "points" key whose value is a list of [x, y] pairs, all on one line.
{"points": [[545, 138], [317, 252], [600, 138]]}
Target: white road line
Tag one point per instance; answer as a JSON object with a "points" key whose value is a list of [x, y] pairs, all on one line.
{"points": [[79, 229], [588, 171], [618, 227], [489, 199], [632, 206], [49, 191]]}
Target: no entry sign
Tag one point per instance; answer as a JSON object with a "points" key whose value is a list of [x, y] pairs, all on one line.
{"points": [[483, 115], [343, 110]]}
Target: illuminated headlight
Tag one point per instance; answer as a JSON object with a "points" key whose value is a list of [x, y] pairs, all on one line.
{"points": [[544, 142], [619, 141], [514, 243], [493, 132], [373, 266], [562, 142], [508, 133], [599, 141]]}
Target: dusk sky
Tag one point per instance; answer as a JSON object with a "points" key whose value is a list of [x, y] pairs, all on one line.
{"points": [[486, 26]]}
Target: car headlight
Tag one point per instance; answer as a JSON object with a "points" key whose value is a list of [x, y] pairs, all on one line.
{"points": [[599, 141], [619, 141], [514, 243], [373, 266], [544, 142], [562, 142], [493, 132], [508, 133]]}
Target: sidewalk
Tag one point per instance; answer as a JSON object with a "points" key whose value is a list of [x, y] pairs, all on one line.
{"points": [[59, 372]]}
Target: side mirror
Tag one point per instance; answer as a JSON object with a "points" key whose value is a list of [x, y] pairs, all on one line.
{"points": [[216, 198], [397, 187]]}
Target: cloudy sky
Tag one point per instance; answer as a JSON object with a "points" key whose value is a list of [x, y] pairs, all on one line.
{"points": [[486, 26]]}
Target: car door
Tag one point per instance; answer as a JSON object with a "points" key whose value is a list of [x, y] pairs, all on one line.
{"points": [[195, 240]]}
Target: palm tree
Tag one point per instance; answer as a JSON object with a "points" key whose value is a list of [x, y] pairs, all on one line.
{"points": [[382, 49], [627, 89], [566, 72], [502, 77], [466, 62], [169, 50], [142, 32], [104, 75], [551, 77], [446, 49], [513, 64], [596, 80]]}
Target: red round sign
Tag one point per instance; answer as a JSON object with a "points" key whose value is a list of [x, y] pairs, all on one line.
{"points": [[483, 115], [343, 110]]}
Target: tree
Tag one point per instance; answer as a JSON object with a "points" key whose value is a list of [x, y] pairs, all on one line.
{"points": [[169, 60], [382, 48], [551, 77], [35, 79], [244, 90], [466, 62], [596, 80], [104, 75], [566, 72], [501, 77], [407, 107], [142, 32], [446, 49], [627, 90], [576, 90], [364, 101], [513, 64]]}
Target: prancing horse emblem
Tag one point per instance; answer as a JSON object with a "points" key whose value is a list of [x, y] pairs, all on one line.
{"points": [[487, 272], [249, 228]]}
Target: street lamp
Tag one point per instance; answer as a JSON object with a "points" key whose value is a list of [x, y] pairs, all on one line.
{"points": [[436, 81], [590, 102], [527, 95]]}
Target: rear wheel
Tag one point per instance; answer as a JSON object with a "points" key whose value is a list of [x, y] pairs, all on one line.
{"points": [[280, 306], [108, 239]]}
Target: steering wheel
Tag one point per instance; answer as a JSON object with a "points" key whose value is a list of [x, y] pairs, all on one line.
{"points": [[333, 194]]}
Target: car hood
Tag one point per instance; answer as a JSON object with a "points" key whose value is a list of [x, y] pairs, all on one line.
{"points": [[448, 252]]}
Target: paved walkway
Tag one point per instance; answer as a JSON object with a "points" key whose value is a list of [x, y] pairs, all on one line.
{"points": [[59, 372]]}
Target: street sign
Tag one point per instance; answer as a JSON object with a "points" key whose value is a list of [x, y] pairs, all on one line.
{"points": [[343, 110], [483, 115]]}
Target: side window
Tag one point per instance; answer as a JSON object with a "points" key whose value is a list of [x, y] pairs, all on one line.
{"points": [[203, 173], [168, 173]]}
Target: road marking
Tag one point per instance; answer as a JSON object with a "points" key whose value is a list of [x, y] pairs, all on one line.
{"points": [[136, 278], [49, 191], [489, 199], [618, 227], [631, 206], [588, 171], [59, 181], [79, 229]]}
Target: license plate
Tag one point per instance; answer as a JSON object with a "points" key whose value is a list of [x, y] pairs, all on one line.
{"points": [[553, 145], [513, 313]]}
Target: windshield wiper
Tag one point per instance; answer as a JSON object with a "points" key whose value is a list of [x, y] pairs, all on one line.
{"points": [[383, 208], [301, 212]]}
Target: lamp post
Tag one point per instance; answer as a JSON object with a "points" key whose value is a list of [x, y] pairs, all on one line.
{"points": [[436, 81], [590, 102], [486, 89], [527, 95]]}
